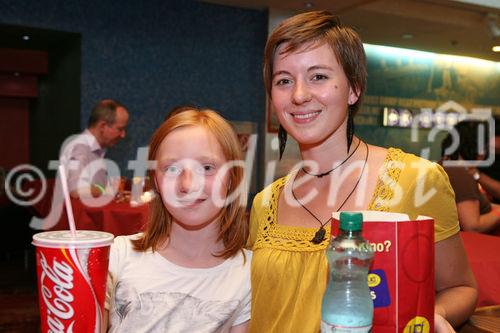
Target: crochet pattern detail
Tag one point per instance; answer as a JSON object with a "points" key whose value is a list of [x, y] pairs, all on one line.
{"points": [[290, 238], [283, 237], [388, 178]]}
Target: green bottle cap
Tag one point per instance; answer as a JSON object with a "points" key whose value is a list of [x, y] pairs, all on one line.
{"points": [[351, 221]]}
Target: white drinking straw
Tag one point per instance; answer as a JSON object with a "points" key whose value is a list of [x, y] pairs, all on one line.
{"points": [[69, 208]]}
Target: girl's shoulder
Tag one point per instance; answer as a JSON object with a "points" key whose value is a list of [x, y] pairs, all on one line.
{"points": [[242, 258], [409, 170], [126, 241], [270, 193], [412, 163], [122, 245], [246, 253]]}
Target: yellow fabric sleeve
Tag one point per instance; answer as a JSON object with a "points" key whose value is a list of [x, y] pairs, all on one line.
{"points": [[427, 191]]}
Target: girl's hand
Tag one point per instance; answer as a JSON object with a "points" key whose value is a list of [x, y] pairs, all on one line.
{"points": [[441, 325]]}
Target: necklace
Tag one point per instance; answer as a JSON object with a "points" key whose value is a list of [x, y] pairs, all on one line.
{"points": [[320, 175], [319, 236]]}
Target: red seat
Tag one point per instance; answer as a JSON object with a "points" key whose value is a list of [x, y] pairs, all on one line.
{"points": [[482, 252]]}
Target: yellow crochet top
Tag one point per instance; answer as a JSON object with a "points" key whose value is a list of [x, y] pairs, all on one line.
{"points": [[289, 272]]}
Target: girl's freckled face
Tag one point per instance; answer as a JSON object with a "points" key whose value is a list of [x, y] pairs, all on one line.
{"points": [[189, 159]]}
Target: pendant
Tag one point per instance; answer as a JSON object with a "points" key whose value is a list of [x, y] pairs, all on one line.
{"points": [[319, 236]]}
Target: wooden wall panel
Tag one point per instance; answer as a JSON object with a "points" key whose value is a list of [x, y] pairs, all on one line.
{"points": [[18, 86], [14, 132], [24, 61]]}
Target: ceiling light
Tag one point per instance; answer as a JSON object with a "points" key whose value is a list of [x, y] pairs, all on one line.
{"points": [[26, 37], [496, 48], [389, 52]]}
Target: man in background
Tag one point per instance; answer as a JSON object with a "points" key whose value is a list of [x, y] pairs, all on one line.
{"points": [[83, 156], [475, 211]]}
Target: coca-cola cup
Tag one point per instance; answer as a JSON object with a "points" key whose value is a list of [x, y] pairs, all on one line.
{"points": [[72, 274]]}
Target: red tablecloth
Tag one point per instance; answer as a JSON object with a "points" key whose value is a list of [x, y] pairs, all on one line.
{"points": [[118, 218], [483, 252]]}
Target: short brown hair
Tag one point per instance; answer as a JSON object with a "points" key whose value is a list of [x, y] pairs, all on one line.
{"points": [[319, 27], [233, 226]]}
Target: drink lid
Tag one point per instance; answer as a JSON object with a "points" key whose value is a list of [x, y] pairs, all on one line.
{"points": [[351, 221], [64, 238]]}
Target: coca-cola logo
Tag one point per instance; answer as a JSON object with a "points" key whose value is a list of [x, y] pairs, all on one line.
{"points": [[58, 299]]}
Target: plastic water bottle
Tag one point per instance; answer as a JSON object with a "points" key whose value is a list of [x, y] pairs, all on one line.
{"points": [[347, 305]]}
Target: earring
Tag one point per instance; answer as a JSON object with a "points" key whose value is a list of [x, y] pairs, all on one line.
{"points": [[282, 136], [350, 128]]}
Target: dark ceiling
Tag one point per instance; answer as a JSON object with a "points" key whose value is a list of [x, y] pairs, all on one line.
{"points": [[442, 26], [37, 39]]}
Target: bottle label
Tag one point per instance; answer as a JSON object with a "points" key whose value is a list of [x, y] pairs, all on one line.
{"points": [[329, 328]]}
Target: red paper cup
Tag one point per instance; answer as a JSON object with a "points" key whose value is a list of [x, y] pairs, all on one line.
{"points": [[72, 275]]}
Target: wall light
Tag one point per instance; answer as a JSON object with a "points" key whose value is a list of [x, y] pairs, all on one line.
{"points": [[390, 117], [452, 118], [425, 117], [393, 117], [439, 119], [405, 118]]}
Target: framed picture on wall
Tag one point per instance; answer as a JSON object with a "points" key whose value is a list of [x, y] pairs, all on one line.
{"points": [[244, 130], [272, 120]]}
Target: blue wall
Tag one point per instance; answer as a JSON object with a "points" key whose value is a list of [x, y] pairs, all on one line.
{"points": [[153, 55]]}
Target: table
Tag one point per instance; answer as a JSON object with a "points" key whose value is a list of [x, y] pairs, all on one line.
{"points": [[118, 218], [484, 319], [483, 252]]}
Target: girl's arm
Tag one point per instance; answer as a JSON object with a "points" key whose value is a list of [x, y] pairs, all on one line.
{"points": [[241, 328], [454, 281]]}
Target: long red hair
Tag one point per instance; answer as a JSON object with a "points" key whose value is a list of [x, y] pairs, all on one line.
{"points": [[233, 225]]}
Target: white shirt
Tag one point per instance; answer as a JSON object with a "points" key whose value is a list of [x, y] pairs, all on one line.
{"points": [[83, 159], [148, 293]]}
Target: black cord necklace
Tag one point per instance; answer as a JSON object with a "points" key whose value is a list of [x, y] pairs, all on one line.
{"points": [[319, 236], [320, 175]]}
